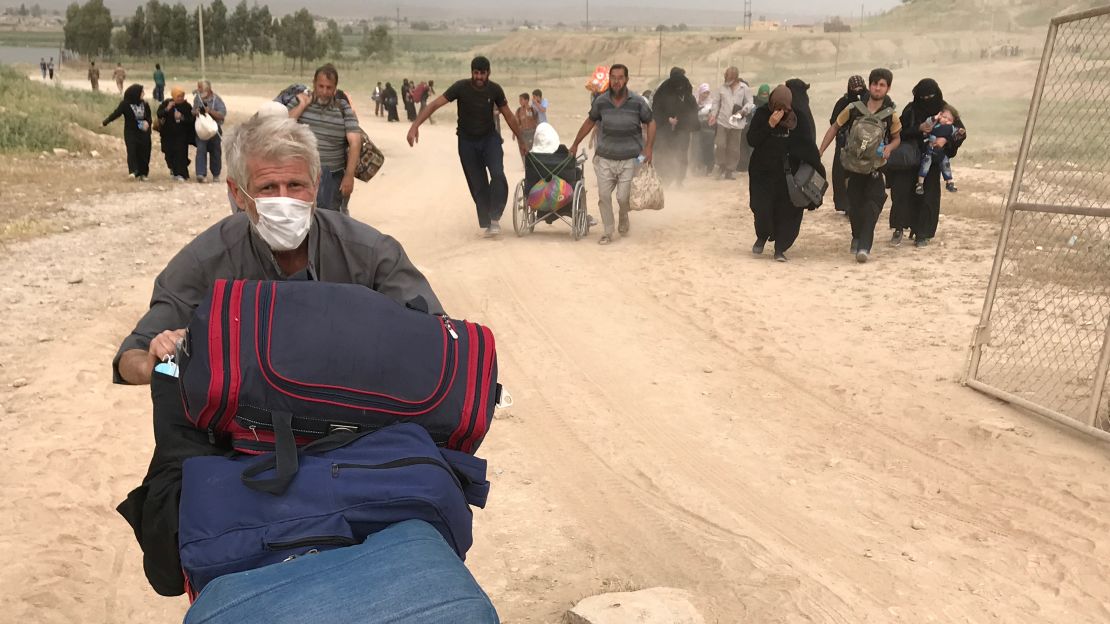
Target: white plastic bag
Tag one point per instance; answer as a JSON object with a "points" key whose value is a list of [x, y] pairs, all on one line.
{"points": [[647, 192], [206, 127]]}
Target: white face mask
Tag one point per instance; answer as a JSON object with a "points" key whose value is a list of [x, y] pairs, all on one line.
{"points": [[283, 222]]}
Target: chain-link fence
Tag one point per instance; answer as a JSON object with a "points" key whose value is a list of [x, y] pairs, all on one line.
{"points": [[1043, 341]]}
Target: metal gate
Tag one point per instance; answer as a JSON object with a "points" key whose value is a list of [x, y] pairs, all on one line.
{"points": [[1043, 340]]}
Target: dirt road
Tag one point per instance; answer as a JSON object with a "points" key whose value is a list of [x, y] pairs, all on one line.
{"points": [[766, 436]]}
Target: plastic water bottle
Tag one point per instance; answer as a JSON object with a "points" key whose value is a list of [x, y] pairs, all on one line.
{"points": [[880, 150]]}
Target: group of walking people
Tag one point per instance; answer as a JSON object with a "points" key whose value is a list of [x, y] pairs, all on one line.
{"points": [[772, 134], [176, 121], [413, 97]]}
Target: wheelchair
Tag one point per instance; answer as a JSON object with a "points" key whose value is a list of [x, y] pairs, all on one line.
{"points": [[571, 211]]}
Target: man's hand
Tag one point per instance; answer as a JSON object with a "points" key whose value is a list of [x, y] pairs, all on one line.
{"points": [[961, 133], [887, 151], [347, 186], [414, 135], [673, 121], [647, 156], [303, 98], [712, 120], [775, 118], [165, 343]]}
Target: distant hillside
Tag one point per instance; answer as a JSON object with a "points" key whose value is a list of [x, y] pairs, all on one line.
{"points": [[977, 15]]}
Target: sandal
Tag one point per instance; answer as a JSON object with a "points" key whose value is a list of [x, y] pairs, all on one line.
{"points": [[604, 240]]}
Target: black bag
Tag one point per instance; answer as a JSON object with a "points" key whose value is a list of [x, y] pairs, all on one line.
{"points": [[906, 158], [807, 187]]}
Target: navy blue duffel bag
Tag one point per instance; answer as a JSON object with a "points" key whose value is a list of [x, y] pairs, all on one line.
{"points": [[349, 486], [294, 361]]}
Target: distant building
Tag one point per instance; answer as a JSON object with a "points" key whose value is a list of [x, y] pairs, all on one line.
{"points": [[835, 25], [764, 25]]}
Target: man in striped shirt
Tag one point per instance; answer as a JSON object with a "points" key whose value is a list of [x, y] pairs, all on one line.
{"points": [[338, 138]]}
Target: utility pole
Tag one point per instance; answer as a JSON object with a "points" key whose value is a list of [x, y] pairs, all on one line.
{"points": [[748, 15], [398, 32], [200, 28], [861, 20], [587, 15]]}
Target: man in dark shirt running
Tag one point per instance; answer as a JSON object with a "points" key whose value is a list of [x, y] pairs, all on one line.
{"points": [[479, 142]]}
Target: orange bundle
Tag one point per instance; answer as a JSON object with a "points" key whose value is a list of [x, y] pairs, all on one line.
{"points": [[599, 81]]}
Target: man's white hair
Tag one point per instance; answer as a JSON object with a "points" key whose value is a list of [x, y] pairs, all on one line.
{"points": [[269, 138]]}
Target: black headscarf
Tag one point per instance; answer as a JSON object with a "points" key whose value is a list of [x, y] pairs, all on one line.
{"points": [[675, 98], [927, 99], [133, 94], [800, 90]]}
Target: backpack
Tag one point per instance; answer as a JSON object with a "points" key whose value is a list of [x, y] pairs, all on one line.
{"points": [[276, 365], [349, 486], [862, 152]]}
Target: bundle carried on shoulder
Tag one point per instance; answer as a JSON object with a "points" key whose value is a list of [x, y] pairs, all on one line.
{"points": [[647, 190]]}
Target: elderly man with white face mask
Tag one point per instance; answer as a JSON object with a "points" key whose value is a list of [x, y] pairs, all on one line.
{"points": [[273, 169]]}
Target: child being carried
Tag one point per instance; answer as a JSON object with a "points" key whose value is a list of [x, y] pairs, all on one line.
{"points": [[944, 127]]}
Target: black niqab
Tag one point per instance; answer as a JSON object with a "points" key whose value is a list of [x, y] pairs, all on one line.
{"points": [[675, 98], [927, 99]]}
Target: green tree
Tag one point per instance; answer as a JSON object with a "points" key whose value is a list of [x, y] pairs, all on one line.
{"points": [[88, 28], [156, 27], [263, 29], [377, 44], [332, 41], [215, 29], [297, 38], [134, 39], [239, 30], [180, 35]]}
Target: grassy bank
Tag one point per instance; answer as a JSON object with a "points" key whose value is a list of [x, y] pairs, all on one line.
{"points": [[35, 115], [32, 38]]}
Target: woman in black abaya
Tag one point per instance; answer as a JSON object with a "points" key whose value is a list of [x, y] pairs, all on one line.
{"points": [[389, 97], [176, 116], [782, 137], [908, 211], [136, 130]]}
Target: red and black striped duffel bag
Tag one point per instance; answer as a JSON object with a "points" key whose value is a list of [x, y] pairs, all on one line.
{"points": [[267, 363]]}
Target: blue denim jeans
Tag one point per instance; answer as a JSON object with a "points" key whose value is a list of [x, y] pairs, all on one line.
{"points": [[212, 147], [489, 191], [328, 195], [931, 154], [404, 574]]}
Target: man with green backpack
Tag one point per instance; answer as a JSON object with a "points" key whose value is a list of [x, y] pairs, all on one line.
{"points": [[873, 134]]}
